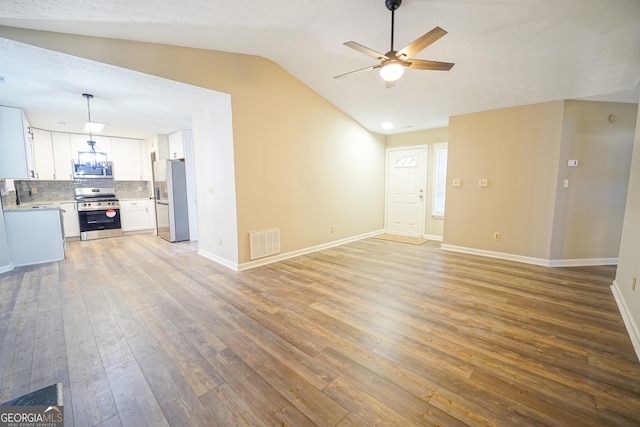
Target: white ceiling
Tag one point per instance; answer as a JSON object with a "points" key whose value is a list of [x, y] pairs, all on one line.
{"points": [[507, 53]]}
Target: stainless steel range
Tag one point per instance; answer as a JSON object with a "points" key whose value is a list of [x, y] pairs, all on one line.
{"points": [[98, 212]]}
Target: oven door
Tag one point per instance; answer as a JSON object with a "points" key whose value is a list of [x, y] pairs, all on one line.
{"points": [[100, 223]]}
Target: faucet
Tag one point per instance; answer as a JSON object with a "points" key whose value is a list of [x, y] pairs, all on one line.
{"points": [[16, 184]]}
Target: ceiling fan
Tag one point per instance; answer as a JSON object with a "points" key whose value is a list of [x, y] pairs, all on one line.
{"points": [[393, 63]]}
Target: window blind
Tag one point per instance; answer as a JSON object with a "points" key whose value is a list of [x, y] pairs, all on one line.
{"points": [[440, 181]]}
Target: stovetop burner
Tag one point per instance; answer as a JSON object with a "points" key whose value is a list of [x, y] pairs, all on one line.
{"points": [[95, 193], [96, 199]]}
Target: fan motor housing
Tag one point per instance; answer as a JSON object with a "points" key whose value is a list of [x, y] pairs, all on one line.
{"points": [[392, 4]]}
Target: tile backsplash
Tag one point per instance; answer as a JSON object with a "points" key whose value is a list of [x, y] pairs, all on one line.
{"points": [[55, 191]]}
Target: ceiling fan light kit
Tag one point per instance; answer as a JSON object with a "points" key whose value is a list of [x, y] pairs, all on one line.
{"points": [[391, 71], [394, 62]]}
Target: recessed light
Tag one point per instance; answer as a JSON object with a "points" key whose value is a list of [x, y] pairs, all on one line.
{"points": [[387, 125]]}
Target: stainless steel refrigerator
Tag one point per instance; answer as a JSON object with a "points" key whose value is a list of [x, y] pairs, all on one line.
{"points": [[172, 214]]}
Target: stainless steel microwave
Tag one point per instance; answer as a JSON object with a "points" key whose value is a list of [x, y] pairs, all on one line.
{"points": [[103, 169]]}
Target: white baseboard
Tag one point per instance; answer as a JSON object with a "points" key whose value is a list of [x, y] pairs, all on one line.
{"points": [[215, 258], [433, 237], [535, 261], [292, 254], [283, 256], [499, 255], [145, 231], [6, 268], [629, 322], [585, 262]]}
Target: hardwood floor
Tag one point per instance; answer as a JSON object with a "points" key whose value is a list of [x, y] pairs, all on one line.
{"points": [[144, 332]]}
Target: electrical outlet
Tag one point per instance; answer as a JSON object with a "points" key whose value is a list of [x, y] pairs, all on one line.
{"points": [[496, 236], [457, 182], [633, 284], [483, 182], [333, 228], [34, 190]]}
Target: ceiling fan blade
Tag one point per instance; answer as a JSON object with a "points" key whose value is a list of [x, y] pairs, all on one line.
{"points": [[421, 64], [417, 45], [363, 49], [373, 67]]}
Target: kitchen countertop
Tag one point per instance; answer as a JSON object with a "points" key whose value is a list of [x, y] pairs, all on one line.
{"points": [[55, 205], [51, 207], [40, 206]]}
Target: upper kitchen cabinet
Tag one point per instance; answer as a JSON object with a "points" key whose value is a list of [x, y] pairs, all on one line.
{"points": [[16, 144], [43, 154], [177, 142], [129, 157], [61, 143]]}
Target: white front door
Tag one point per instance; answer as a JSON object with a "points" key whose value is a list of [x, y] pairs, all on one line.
{"points": [[406, 191]]}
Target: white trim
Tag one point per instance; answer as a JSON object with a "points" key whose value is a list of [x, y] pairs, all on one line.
{"points": [[530, 260], [499, 255], [629, 323], [433, 237], [215, 258], [584, 262], [6, 268], [286, 255]]}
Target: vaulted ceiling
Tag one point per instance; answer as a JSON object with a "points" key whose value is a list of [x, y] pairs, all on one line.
{"points": [[507, 53]]}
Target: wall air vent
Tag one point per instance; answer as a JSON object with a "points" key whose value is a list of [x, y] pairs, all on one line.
{"points": [[264, 243]]}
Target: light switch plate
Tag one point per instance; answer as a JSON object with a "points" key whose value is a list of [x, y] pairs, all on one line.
{"points": [[483, 182], [457, 182], [572, 163]]}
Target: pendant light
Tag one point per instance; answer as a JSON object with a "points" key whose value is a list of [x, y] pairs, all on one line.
{"points": [[93, 157]]}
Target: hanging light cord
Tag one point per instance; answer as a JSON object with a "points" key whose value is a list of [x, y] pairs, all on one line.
{"points": [[90, 142]]}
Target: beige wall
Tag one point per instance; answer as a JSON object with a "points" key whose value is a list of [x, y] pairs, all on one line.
{"points": [[433, 227], [517, 150], [629, 258], [589, 213], [523, 152], [300, 163]]}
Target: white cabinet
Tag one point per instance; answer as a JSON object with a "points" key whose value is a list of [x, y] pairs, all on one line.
{"points": [[43, 154], [128, 157], [61, 143], [70, 220], [136, 215], [16, 144], [34, 236], [177, 141], [55, 151]]}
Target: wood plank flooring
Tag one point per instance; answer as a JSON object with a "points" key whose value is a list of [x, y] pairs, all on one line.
{"points": [[144, 332]]}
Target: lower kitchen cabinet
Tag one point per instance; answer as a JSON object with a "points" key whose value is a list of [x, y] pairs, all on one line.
{"points": [[70, 220], [34, 236], [137, 215]]}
